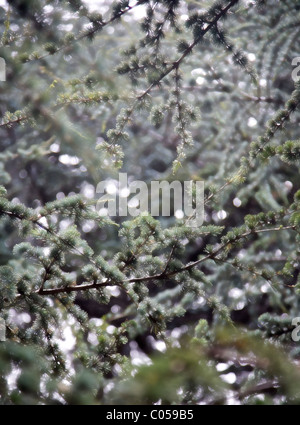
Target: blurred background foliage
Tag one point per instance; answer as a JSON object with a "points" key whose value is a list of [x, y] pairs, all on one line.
{"points": [[165, 313]]}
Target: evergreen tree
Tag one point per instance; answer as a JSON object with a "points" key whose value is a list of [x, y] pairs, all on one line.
{"points": [[103, 310]]}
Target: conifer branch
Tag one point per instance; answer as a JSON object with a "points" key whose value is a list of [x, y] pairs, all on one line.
{"points": [[88, 34], [175, 65], [164, 274]]}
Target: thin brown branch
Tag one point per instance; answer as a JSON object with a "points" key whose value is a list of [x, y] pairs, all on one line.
{"points": [[164, 274]]}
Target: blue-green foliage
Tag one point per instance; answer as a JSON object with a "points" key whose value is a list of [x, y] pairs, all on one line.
{"points": [[163, 90]]}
